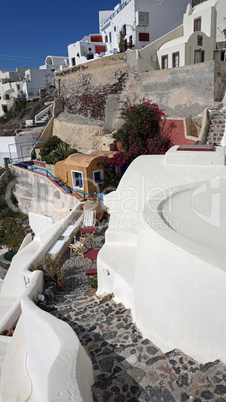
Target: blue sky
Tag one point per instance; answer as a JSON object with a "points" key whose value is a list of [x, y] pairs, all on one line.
{"points": [[32, 30]]}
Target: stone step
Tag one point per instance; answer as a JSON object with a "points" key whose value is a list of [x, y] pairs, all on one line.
{"points": [[219, 121], [213, 131], [217, 125]]}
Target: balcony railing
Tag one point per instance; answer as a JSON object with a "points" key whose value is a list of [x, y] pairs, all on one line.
{"points": [[117, 11]]}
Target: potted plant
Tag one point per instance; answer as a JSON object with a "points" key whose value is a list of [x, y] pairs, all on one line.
{"points": [[93, 281], [52, 271]]}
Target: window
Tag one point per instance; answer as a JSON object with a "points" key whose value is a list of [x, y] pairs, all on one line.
{"points": [[77, 179], [73, 61], [175, 59], [7, 96], [123, 169], [199, 56], [96, 38], [114, 29], [100, 49], [98, 176], [197, 24], [124, 29], [199, 40], [143, 37], [164, 62], [195, 2], [106, 38], [110, 37]]}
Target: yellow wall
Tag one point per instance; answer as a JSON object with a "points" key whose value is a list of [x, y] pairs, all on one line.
{"points": [[63, 172]]}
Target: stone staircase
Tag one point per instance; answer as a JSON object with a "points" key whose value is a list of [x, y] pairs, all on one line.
{"points": [[42, 117], [217, 118]]}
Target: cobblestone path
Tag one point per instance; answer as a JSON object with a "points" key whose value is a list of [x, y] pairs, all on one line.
{"points": [[126, 366]]}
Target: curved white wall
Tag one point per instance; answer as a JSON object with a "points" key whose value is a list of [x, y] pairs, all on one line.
{"points": [[44, 361], [173, 285]]}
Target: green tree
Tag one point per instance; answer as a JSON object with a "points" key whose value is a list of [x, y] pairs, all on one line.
{"points": [[11, 234], [21, 101], [121, 41]]}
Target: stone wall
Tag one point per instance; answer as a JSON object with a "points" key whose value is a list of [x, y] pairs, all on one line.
{"points": [[36, 193], [81, 133], [95, 91]]}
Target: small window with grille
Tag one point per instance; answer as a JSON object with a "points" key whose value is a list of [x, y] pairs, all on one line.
{"points": [[197, 24], [164, 62], [175, 59]]}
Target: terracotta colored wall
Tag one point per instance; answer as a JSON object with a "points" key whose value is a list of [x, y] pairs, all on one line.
{"points": [[178, 133]]}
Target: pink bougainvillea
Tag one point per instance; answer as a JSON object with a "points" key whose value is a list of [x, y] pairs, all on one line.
{"points": [[141, 134]]}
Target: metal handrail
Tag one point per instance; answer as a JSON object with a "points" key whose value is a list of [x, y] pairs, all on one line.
{"points": [[32, 167]]}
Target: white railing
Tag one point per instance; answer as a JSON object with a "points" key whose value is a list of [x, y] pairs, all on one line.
{"points": [[39, 116]]}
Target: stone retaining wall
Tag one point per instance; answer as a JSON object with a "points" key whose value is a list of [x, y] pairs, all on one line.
{"points": [[36, 193], [95, 92]]}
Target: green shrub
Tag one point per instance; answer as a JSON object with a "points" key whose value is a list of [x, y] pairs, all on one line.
{"points": [[93, 281], [21, 102], [55, 150], [49, 146], [52, 271], [3, 120], [11, 234]]}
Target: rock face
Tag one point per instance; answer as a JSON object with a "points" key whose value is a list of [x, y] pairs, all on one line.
{"points": [[95, 92], [81, 133]]}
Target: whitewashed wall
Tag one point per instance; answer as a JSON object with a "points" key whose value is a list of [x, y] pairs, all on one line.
{"points": [[163, 17], [174, 280]]}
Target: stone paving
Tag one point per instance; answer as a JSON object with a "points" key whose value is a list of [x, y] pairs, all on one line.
{"points": [[126, 366]]}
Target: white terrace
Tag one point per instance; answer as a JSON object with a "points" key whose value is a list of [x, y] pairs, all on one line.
{"points": [[164, 255]]}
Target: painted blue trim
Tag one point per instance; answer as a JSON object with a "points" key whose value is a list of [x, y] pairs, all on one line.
{"points": [[32, 167]]}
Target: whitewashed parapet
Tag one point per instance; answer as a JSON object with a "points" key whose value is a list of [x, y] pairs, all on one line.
{"points": [[45, 360]]}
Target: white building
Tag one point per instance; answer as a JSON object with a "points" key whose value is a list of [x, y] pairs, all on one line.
{"points": [[88, 48], [28, 80], [10, 81], [203, 39], [16, 147], [140, 22], [40, 77]]}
